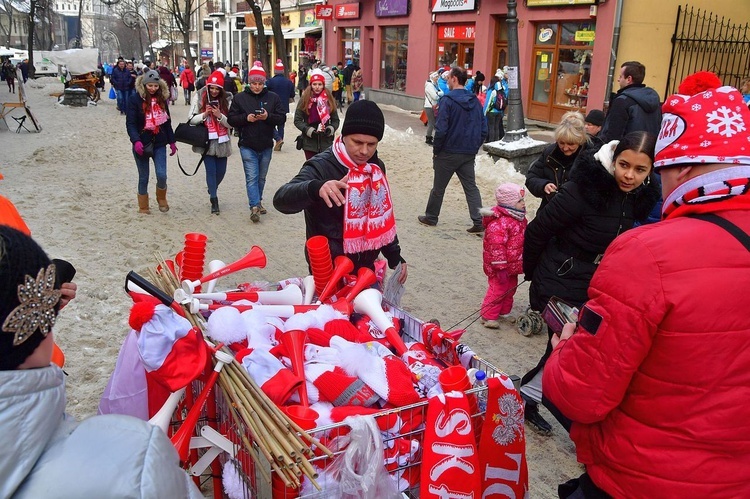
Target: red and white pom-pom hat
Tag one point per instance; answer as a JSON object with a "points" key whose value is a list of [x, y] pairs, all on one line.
{"points": [[704, 123]]}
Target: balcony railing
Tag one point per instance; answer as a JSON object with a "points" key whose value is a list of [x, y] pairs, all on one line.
{"points": [[215, 7]]}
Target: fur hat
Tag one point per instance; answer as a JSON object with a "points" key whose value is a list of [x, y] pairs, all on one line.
{"points": [[151, 77], [595, 117], [256, 73], [278, 68], [216, 79], [317, 75], [508, 194], [704, 123], [364, 117], [29, 297]]}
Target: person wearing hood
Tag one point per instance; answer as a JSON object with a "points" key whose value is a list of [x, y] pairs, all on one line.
{"points": [[635, 108], [610, 188], [255, 112], [493, 108], [432, 95], [45, 451], [210, 107], [460, 131], [149, 127]]}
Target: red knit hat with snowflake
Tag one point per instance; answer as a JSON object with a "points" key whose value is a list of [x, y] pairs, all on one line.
{"points": [[704, 123], [256, 73]]}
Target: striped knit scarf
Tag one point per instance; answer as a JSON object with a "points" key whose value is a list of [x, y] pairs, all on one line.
{"points": [[155, 116], [369, 223], [710, 187], [320, 102]]}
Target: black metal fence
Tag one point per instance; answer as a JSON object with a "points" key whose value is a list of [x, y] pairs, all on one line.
{"points": [[704, 41]]}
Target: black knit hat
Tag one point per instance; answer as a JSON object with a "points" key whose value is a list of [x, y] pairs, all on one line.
{"points": [[595, 117], [20, 257], [365, 117]]}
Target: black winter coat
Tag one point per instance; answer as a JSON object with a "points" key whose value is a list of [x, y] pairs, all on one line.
{"points": [[257, 136], [562, 243], [302, 193], [552, 166], [635, 108]]}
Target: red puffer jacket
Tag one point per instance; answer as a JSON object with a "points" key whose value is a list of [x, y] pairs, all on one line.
{"points": [[657, 376], [503, 241]]}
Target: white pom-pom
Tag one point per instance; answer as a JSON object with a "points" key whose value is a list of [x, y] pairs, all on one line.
{"points": [[260, 334], [301, 322], [326, 314], [234, 485], [225, 325]]}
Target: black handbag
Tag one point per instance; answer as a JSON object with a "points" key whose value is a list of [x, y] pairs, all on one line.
{"points": [[195, 135]]}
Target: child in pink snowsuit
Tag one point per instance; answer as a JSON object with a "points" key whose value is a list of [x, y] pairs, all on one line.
{"points": [[504, 225]]}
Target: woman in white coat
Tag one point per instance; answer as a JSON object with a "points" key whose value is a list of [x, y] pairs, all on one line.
{"points": [[431, 97]]}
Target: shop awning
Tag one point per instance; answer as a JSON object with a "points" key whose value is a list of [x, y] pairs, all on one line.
{"points": [[160, 44], [302, 32]]}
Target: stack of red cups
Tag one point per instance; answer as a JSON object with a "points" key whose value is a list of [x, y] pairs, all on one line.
{"points": [[193, 257], [321, 263]]}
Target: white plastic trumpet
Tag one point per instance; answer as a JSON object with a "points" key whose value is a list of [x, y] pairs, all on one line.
{"points": [[369, 302], [164, 416], [254, 258], [282, 311], [308, 286], [213, 266], [291, 295]]}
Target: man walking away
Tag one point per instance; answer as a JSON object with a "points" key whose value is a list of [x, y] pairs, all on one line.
{"points": [[635, 108], [284, 88], [460, 131]]}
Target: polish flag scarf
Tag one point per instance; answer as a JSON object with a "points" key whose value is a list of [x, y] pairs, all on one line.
{"points": [[502, 447], [320, 102], [216, 130], [369, 223], [155, 116], [450, 464]]}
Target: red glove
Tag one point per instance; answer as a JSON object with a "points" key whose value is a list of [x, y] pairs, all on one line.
{"points": [[173, 148], [138, 148]]}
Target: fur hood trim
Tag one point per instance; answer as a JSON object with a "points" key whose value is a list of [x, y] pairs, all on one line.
{"points": [[141, 88], [487, 211], [598, 186]]}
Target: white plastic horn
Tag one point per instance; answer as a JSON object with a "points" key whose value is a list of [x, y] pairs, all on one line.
{"points": [[213, 266], [164, 416], [369, 302], [283, 311], [291, 295], [308, 286]]}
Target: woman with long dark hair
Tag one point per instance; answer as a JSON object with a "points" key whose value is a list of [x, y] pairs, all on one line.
{"points": [[210, 106], [316, 116]]}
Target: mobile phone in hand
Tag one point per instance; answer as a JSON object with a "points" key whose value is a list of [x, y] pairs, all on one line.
{"points": [[258, 112], [213, 103]]}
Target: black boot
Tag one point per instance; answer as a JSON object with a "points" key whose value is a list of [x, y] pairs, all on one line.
{"points": [[535, 420], [428, 140], [215, 205]]}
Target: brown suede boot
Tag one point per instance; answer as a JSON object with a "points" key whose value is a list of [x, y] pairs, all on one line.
{"points": [[143, 204], [161, 198]]}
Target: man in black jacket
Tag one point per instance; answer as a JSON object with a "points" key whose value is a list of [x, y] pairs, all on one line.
{"points": [[255, 112], [322, 189], [635, 108]]}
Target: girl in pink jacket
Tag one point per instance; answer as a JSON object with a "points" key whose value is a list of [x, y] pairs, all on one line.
{"points": [[504, 226]]}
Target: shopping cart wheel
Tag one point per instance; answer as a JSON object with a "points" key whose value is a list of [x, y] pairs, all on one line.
{"points": [[530, 323]]}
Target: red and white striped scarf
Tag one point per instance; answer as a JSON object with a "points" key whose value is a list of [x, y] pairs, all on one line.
{"points": [[216, 130], [369, 223], [155, 117], [320, 102], [717, 185]]}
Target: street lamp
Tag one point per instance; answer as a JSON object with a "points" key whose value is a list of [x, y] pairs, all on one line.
{"points": [[516, 129]]}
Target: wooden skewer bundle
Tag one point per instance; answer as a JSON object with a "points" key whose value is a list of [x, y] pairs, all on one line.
{"points": [[274, 438]]}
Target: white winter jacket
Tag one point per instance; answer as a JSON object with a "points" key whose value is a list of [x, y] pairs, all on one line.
{"points": [[46, 454]]}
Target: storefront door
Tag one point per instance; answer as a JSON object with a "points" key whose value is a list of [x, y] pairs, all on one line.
{"points": [[456, 46], [561, 70]]}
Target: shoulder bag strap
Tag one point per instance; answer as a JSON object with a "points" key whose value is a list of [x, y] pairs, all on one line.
{"points": [[725, 224], [203, 156]]}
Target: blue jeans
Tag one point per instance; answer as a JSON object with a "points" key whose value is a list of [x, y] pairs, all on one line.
{"points": [[255, 164], [278, 133], [216, 168], [160, 163], [122, 100]]}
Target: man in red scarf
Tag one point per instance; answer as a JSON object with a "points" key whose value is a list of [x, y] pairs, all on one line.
{"points": [[655, 375], [345, 195]]}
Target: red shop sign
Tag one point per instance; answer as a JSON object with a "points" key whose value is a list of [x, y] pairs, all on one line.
{"points": [[457, 32], [347, 11], [323, 11]]}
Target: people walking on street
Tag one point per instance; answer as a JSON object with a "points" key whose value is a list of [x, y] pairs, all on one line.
{"points": [[653, 373], [635, 108], [210, 107], [460, 130], [284, 88], [316, 116], [150, 130], [255, 112], [121, 81]]}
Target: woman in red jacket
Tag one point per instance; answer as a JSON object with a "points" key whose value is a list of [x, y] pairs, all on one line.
{"points": [[187, 81]]}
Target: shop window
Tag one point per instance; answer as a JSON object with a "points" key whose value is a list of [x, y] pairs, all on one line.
{"points": [[393, 58], [350, 45]]}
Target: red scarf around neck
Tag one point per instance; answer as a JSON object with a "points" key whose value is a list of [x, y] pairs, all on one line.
{"points": [[155, 117], [369, 223], [320, 102]]}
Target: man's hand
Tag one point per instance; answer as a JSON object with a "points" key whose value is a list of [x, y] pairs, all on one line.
{"points": [[331, 193], [567, 332]]}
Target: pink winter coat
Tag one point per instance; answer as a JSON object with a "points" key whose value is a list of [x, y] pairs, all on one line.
{"points": [[503, 241]]}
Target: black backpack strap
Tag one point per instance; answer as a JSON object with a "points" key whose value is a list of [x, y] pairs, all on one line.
{"points": [[725, 224]]}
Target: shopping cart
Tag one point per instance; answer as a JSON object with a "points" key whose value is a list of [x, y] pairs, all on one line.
{"points": [[217, 414]]}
